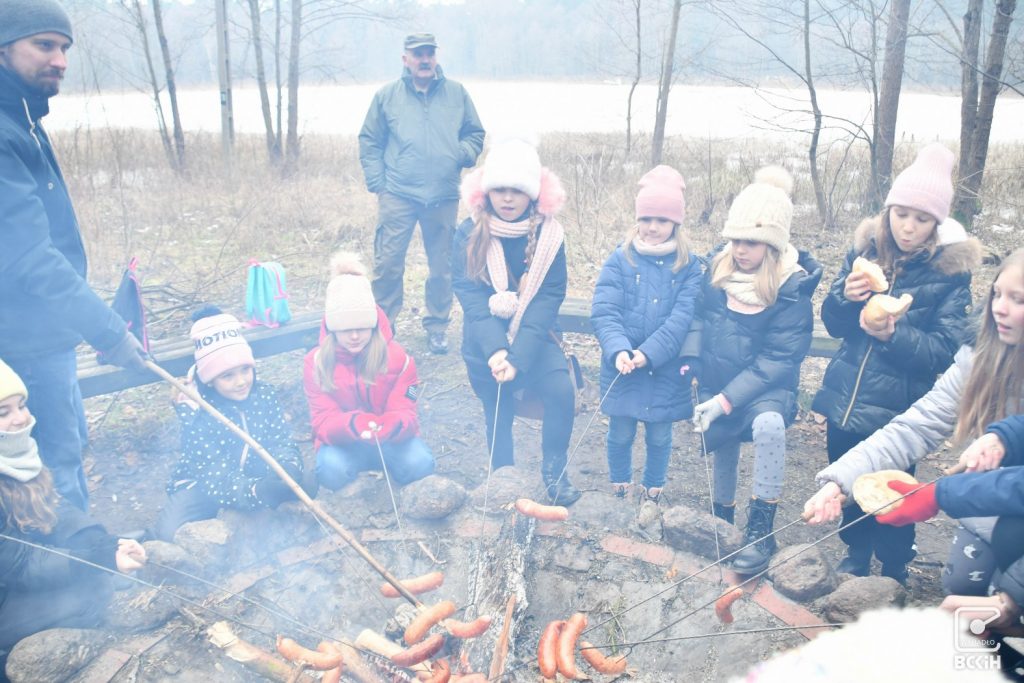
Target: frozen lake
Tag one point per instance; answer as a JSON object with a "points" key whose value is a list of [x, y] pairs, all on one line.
{"points": [[695, 111]]}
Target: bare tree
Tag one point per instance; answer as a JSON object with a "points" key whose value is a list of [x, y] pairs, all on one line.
{"points": [[172, 88], [889, 98], [636, 75], [139, 21], [273, 147], [978, 111], [664, 85], [292, 139]]}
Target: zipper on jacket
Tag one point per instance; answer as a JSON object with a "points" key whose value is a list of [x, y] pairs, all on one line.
{"points": [[864, 364], [31, 123]]}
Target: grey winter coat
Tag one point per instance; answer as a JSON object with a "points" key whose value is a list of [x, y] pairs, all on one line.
{"points": [[46, 306], [869, 382], [415, 145]]}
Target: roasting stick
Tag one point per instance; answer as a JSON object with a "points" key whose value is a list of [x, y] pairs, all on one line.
{"points": [[391, 492], [579, 442], [711, 488], [487, 490], [311, 504]]}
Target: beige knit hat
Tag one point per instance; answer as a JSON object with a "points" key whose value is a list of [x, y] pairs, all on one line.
{"points": [[10, 383], [350, 304], [763, 211]]}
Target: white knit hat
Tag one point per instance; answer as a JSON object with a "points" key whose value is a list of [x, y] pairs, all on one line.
{"points": [[219, 345], [11, 383], [513, 162], [763, 211], [349, 302]]}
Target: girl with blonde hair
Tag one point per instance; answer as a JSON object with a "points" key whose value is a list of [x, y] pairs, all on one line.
{"points": [[362, 387]]}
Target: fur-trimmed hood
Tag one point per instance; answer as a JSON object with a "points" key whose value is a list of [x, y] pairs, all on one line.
{"points": [[549, 202], [958, 252]]}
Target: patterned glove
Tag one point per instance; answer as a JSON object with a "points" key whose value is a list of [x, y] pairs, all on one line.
{"points": [[916, 507]]}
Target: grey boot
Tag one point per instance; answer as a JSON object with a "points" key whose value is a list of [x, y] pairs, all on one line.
{"points": [[560, 491], [755, 558]]}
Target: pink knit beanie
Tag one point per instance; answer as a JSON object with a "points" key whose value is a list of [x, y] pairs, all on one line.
{"points": [[219, 345], [661, 195], [927, 184], [349, 302]]}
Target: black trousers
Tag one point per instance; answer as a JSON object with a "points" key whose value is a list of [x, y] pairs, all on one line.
{"points": [[890, 544]]}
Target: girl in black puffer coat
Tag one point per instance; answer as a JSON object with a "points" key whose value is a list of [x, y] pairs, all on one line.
{"points": [[877, 374], [757, 324]]}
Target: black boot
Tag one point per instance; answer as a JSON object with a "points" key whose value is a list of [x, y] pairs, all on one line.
{"points": [[896, 570], [754, 558], [556, 481], [725, 512], [857, 562]]}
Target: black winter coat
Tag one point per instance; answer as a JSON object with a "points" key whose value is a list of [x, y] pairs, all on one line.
{"points": [[869, 382], [46, 306], [533, 351], [754, 359], [23, 568]]}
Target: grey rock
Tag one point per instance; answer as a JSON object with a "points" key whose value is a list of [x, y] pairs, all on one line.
{"points": [[206, 540], [506, 485], [143, 610], [54, 655], [863, 593], [802, 573], [162, 561], [432, 497], [693, 531]]}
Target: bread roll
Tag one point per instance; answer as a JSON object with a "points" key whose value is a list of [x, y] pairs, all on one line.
{"points": [[876, 277], [872, 492], [881, 306]]}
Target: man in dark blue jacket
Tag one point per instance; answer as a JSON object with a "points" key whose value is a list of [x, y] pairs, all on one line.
{"points": [[419, 133], [46, 306]]}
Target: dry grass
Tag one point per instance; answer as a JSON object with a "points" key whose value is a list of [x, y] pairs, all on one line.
{"points": [[194, 233]]}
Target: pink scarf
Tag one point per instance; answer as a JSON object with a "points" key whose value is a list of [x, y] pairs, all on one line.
{"points": [[509, 304]]}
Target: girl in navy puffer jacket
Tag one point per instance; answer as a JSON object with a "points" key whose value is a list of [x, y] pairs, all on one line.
{"points": [[757, 324], [643, 304]]}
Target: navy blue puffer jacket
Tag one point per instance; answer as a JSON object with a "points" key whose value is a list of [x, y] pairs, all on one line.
{"points": [[645, 305]]}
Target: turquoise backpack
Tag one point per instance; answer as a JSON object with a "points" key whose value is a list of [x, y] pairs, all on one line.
{"points": [[266, 294]]}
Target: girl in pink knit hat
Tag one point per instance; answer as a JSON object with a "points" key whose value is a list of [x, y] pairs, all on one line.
{"points": [[879, 372], [508, 271], [362, 388], [217, 469], [644, 302]]}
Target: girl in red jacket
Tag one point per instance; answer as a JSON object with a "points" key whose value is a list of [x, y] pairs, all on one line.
{"points": [[362, 388]]}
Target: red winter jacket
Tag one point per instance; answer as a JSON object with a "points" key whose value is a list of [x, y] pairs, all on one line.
{"points": [[393, 394]]}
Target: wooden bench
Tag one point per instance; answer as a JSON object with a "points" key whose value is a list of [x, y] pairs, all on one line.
{"points": [[302, 332]]}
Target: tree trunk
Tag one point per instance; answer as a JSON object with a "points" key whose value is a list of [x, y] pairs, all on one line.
{"points": [[812, 150], [658, 141], [969, 67], [636, 80], [969, 203], [293, 86], [161, 121], [172, 88], [889, 97], [278, 20], [261, 81]]}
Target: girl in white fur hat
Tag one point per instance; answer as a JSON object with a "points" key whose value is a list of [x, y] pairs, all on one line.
{"points": [[757, 329], [362, 387], [38, 589], [509, 273]]}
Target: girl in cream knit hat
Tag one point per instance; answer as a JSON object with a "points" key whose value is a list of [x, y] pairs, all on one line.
{"points": [[757, 329], [362, 388], [40, 590]]}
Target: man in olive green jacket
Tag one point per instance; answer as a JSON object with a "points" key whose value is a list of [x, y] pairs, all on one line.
{"points": [[419, 133]]}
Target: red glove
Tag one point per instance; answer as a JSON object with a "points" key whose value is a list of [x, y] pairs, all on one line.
{"points": [[390, 425], [916, 507], [365, 425]]}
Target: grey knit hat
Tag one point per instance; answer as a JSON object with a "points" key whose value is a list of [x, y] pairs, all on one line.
{"points": [[22, 18]]}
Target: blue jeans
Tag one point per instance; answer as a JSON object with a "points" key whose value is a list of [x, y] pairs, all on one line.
{"points": [[406, 461], [56, 402], [658, 436]]}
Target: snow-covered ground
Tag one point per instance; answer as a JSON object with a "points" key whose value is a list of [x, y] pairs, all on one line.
{"points": [[695, 111]]}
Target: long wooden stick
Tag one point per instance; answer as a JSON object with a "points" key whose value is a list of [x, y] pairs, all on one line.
{"points": [[311, 504]]}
